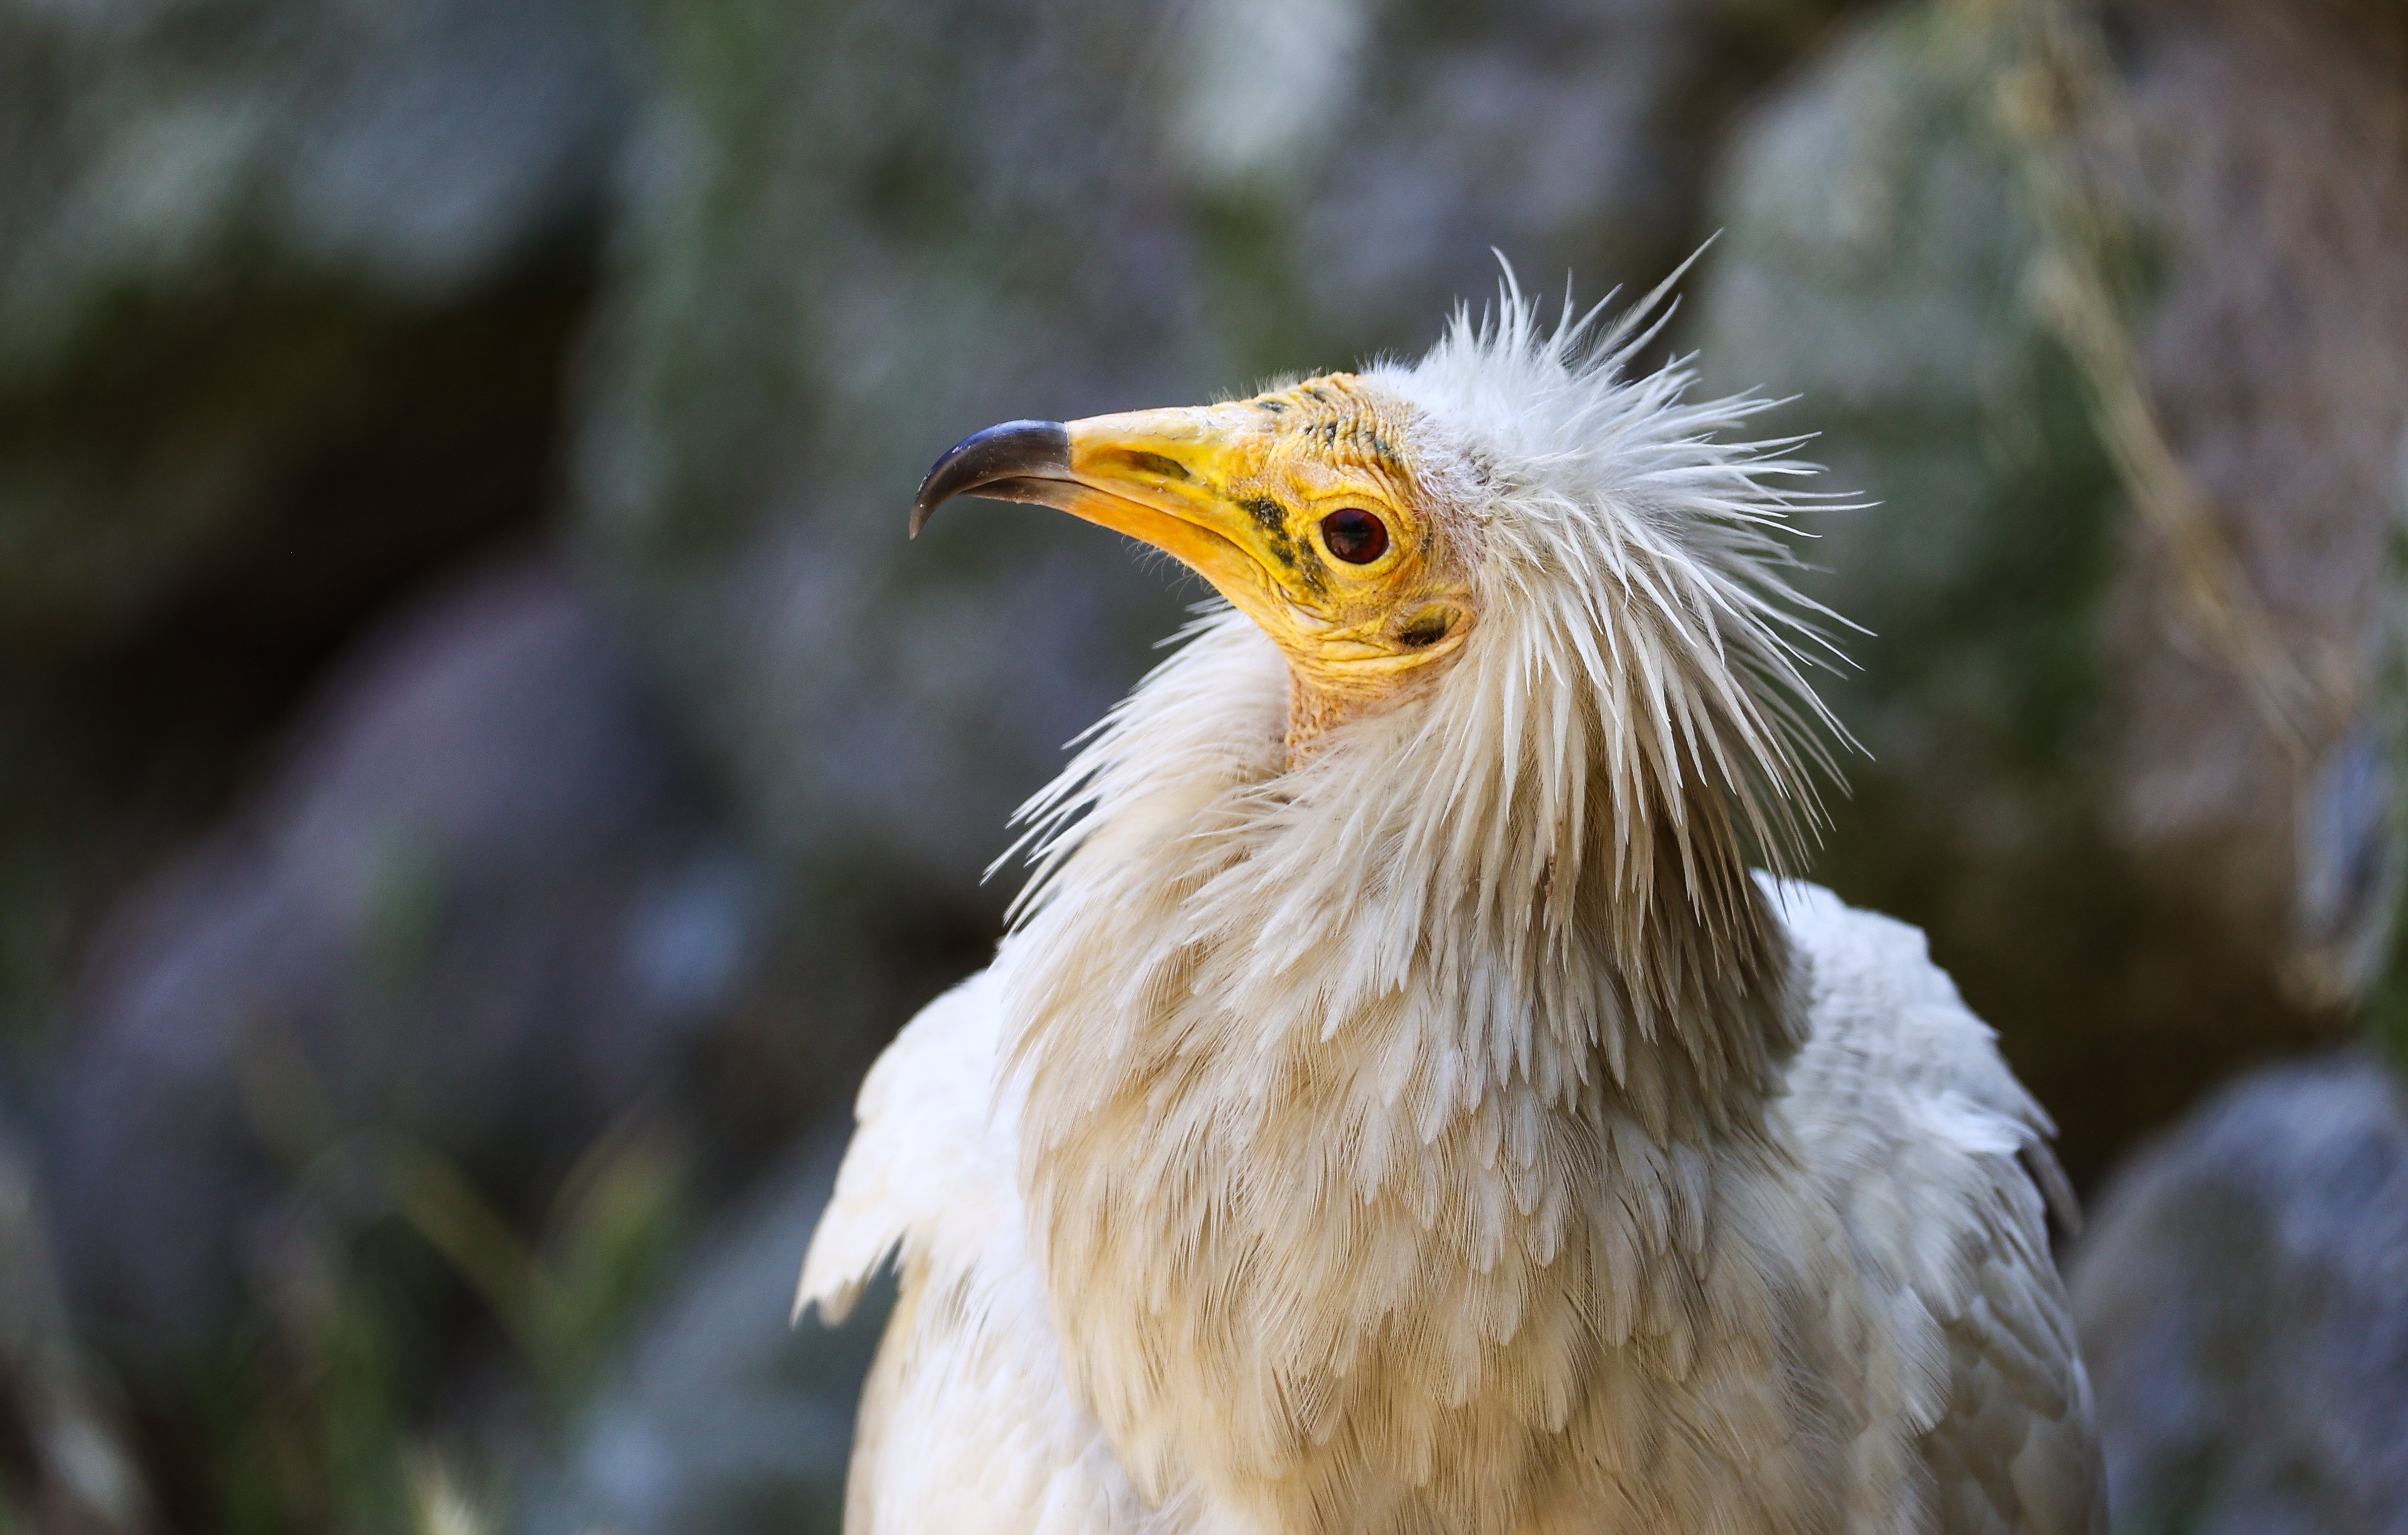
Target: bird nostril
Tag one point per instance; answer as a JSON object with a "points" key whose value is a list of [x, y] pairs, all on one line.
{"points": [[1154, 463], [1355, 535]]}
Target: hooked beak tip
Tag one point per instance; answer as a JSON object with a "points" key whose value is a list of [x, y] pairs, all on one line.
{"points": [[998, 463]]}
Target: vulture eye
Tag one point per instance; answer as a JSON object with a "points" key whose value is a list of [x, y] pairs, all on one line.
{"points": [[1355, 535]]}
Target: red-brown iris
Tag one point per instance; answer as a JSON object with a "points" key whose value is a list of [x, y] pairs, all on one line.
{"points": [[1355, 535]]}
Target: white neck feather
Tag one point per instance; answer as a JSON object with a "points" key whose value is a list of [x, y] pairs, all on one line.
{"points": [[1544, 848]]}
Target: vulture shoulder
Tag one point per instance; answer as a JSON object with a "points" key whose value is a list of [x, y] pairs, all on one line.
{"points": [[1931, 1155], [1935, 1161]]}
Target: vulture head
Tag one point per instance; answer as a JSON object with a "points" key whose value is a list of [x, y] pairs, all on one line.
{"points": [[1536, 608]]}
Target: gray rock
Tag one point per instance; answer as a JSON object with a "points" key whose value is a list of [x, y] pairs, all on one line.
{"points": [[2131, 872], [2243, 1297], [482, 908], [226, 227], [725, 1419], [83, 1476], [286, 288]]}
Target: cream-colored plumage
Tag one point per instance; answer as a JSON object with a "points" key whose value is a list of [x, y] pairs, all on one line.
{"points": [[1428, 1124]]}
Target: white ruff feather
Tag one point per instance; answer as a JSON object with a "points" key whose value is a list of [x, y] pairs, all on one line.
{"points": [[1328, 1064]]}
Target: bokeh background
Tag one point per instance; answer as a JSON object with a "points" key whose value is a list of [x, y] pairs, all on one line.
{"points": [[481, 771]]}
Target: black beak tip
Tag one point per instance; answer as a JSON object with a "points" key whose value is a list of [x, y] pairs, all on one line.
{"points": [[984, 462]]}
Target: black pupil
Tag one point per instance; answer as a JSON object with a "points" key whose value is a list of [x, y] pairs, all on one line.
{"points": [[1355, 537]]}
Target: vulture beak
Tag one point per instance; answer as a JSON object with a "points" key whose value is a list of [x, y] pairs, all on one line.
{"points": [[1155, 474]]}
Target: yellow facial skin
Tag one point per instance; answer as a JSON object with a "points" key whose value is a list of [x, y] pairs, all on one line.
{"points": [[1243, 493]]}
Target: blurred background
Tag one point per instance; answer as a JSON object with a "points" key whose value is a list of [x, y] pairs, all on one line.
{"points": [[481, 771]]}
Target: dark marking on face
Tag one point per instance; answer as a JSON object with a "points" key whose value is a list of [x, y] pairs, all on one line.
{"points": [[1305, 561], [1277, 408], [1425, 630], [1272, 518]]}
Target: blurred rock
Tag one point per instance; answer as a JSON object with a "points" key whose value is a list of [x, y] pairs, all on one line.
{"points": [[60, 1449], [725, 1419], [286, 287], [2138, 868], [858, 232], [482, 908], [233, 233], [2243, 1297]]}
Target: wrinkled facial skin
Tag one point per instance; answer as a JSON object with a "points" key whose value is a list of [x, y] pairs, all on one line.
{"points": [[1246, 493]]}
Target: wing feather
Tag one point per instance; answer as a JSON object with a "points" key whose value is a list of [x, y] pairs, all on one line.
{"points": [[968, 1425], [1923, 1141]]}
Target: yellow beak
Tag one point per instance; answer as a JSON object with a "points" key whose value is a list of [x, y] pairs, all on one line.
{"points": [[1164, 477]]}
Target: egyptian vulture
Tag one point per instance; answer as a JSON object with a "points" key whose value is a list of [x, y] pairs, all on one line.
{"points": [[1397, 1107]]}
